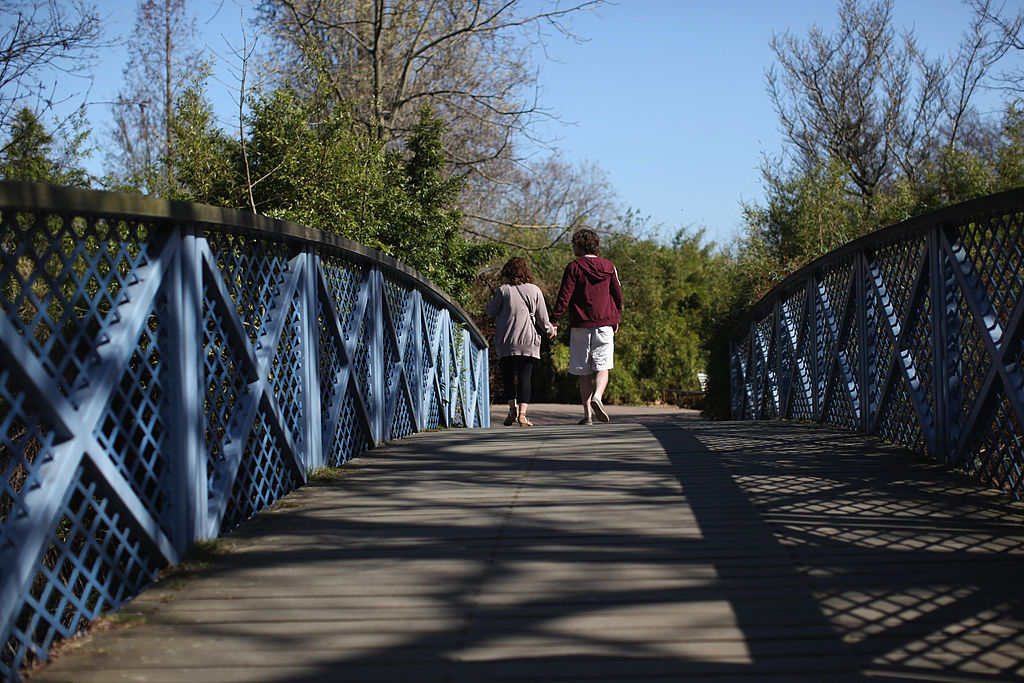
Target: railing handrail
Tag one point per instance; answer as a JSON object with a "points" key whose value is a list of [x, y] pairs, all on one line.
{"points": [[63, 199], [980, 206]]}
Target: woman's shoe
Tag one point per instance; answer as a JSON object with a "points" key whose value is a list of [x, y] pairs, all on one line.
{"points": [[524, 421], [511, 419]]}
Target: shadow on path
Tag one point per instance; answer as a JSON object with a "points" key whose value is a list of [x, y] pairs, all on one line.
{"points": [[654, 547]]}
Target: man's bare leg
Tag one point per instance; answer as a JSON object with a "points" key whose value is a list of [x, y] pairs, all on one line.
{"points": [[600, 384], [587, 393]]}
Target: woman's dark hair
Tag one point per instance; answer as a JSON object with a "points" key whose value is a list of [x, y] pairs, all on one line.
{"points": [[586, 241], [516, 271]]}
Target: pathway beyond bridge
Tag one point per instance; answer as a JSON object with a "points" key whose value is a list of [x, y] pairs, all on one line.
{"points": [[658, 546]]}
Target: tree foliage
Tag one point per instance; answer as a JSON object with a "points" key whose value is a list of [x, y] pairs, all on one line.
{"points": [[876, 132], [32, 154], [848, 97], [472, 62], [321, 169]]}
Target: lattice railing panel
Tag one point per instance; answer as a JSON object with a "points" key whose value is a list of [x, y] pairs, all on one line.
{"points": [[921, 359], [995, 249], [918, 338], [351, 434], [402, 422], [996, 453], [26, 443], [63, 279], [898, 423], [137, 426], [361, 368], [226, 373], [252, 271], [392, 368], [899, 265], [766, 397], [790, 321], [265, 474], [333, 380], [286, 372], [433, 383], [162, 381], [346, 281], [93, 561], [883, 328]]}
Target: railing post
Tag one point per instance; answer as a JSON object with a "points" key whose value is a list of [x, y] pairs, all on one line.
{"points": [[378, 367], [416, 382], [944, 316], [189, 416], [444, 354], [861, 340], [812, 326], [314, 456], [774, 350]]}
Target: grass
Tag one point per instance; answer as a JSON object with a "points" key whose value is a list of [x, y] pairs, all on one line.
{"points": [[116, 620], [324, 475], [199, 557]]}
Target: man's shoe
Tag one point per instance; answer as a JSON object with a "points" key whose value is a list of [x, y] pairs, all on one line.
{"points": [[598, 408], [586, 421]]}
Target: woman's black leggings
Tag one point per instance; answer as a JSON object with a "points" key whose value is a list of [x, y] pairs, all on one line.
{"points": [[511, 367]]}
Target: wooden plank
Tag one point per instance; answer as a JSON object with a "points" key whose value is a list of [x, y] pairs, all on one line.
{"points": [[657, 546]]}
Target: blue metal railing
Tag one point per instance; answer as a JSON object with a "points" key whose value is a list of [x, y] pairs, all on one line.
{"points": [[912, 333], [169, 369]]}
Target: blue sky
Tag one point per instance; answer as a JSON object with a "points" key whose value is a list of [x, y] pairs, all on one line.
{"points": [[667, 96]]}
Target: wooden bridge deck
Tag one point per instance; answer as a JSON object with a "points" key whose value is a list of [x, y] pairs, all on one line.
{"points": [[654, 547]]}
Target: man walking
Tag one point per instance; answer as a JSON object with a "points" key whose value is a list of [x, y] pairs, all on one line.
{"points": [[592, 296]]}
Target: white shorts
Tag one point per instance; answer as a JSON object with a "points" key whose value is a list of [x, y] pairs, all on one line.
{"points": [[590, 349]]}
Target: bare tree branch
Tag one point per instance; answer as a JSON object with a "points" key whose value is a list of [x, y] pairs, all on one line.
{"points": [[44, 38]]}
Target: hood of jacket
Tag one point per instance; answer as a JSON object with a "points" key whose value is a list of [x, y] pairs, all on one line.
{"points": [[596, 269]]}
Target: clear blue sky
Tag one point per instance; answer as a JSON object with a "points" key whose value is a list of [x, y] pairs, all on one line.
{"points": [[667, 96]]}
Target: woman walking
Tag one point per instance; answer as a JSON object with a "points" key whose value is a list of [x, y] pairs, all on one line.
{"points": [[521, 313]]}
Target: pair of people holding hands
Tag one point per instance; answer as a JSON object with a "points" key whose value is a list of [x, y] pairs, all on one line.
{"points": [[591, 294]]}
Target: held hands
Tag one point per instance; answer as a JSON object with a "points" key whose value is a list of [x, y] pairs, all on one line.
{"points": [[554, 331]]}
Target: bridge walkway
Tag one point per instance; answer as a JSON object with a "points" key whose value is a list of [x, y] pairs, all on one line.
{"points": [[655, 547]]}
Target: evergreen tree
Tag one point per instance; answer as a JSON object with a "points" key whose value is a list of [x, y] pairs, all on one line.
{"points": [[317, 167], [31, 153]]}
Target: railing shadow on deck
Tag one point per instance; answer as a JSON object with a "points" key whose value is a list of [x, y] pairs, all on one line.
{"points": [[169, 369], [830, 578], [807, 553], [912, 333]]}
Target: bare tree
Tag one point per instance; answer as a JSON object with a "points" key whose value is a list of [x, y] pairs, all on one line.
{"points": [[1002, 25], [470, 60], [541, 203], [162, 59], [971, 69], [849, 96], [43, 42]]}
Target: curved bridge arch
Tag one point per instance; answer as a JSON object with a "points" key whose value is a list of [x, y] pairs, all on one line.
{"points": [[912, 333], [169, 369]]}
